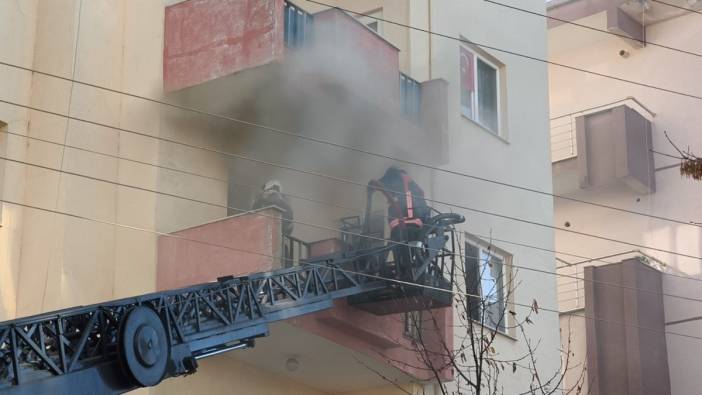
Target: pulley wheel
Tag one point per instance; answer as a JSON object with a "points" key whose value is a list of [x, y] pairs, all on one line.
{"points": [[143, 347]]}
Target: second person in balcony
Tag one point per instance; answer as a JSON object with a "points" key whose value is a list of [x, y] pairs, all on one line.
{"points": [[407, 212], [272, 195]]}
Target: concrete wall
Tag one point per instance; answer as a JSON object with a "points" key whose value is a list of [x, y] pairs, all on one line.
{"points": [[233, 246], [614, 145], [67, 261], [205, 40], [224, 375], [17, 34], [626, 353], [519, 157], [675, 197], [573, 324], [382, 337]]}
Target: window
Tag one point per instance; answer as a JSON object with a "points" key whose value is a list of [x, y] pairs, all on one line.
{"points": [[369, 19], [480, 89], [413, 324], [298, 26], [486, 276], [410, 97]]}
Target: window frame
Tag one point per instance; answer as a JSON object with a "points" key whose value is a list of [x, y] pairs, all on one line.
{"points": [[506, 279], [476, 93]]}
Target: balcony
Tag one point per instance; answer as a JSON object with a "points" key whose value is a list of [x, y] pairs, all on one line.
{"points": [[626, 314], [254, 60], [338, 337], [603, 146], [571, 283], [210, 39]]}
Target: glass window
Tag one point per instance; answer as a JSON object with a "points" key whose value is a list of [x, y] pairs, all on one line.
{"points": [[487, 98], [485, 278], [410, 97], [480, 90], [298, 26]]}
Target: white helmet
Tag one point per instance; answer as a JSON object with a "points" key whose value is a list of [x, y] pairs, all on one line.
{"points": [[272, 184]]}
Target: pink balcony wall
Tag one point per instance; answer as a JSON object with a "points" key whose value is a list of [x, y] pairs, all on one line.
{"points": [[235, 245], [250, 243], [208, 39], [381, 336]]}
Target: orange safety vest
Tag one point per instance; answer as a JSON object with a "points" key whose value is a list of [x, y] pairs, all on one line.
{"points": [[409, 219]]}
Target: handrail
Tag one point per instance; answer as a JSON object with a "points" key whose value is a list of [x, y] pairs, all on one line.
{"points": [[294, 250], [632, 98]]}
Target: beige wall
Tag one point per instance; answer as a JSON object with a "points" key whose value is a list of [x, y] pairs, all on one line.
{"points": [[675, 197], [48, 261], [66, 261], [17, 33], [224, 375], [572, 334], [519, 156]]}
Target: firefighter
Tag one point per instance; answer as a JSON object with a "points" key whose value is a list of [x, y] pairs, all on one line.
{"points": [[407, 212], [271, 195]]}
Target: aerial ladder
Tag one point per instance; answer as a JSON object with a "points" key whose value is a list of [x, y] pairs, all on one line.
{"points": [[121, 345]]}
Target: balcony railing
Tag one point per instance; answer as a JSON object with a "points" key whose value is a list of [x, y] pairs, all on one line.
{"points": [[563, 131], [410, 97], [298, 26], [563, 141], [571, 283], [294, 250], [351, 230], [571, 288]]}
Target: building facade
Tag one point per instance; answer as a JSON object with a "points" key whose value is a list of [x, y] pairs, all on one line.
{"points": [[609, 147], [256, 89]]}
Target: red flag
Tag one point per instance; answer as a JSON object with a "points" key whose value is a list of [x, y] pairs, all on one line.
{"points": [[467, 73]]}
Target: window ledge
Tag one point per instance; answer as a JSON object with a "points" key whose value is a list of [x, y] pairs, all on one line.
{"points": [[508, 336], [488, 131], [491, 329]]}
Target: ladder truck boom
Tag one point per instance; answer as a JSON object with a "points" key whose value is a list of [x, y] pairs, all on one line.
{"points": [[121, 345]]}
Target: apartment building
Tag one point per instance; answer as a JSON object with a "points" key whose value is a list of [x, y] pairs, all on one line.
{"points": [[609, 147], [271, 83]]}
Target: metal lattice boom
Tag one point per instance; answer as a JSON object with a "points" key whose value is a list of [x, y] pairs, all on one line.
{"points": [[117, 346], [198, 320]]}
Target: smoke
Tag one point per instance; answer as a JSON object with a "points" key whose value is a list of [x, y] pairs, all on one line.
{"points": [[341, 86]]}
